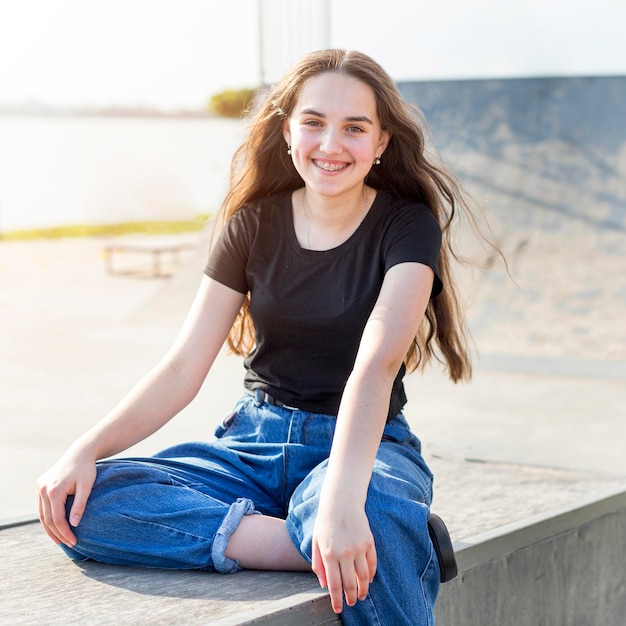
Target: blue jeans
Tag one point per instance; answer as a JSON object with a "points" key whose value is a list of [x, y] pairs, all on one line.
{"points": [[178, 509]]}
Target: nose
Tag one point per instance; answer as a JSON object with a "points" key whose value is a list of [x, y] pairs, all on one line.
{"points": [[330, 143]]}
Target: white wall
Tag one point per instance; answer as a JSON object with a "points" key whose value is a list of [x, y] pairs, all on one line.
{"points": [[171, 54], [450, 39]]}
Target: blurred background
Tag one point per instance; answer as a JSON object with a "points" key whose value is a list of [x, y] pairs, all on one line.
{"points": [[117, 118], [104, 107]]}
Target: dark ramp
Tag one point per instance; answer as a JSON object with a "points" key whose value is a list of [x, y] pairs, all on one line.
{"points": [[546, 158], [556, 146]]}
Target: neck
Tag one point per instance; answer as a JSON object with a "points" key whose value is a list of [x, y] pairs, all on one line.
{"points": [[337, 211], [325, 222]]}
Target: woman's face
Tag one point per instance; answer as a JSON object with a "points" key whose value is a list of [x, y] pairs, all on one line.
{"points": [[335, 133]]}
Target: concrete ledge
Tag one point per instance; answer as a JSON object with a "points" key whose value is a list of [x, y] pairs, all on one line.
{"points": [[566, 567], [561, 567], [39, 585], [474, 551]]}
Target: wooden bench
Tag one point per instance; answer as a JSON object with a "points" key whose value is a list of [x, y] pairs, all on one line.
{"points": [[157, 247]]}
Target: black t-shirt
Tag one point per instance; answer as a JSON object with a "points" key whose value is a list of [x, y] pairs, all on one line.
{"points": [[310, 307]]}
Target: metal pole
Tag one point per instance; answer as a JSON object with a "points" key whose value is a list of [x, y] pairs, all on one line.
{"points": [[327, 25], [260, 10]]}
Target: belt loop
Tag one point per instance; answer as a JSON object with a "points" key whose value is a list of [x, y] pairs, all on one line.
{"points": [[259, 396]]}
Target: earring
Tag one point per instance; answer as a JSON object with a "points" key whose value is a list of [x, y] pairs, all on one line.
{"points": [[377, 161], [288, 149]]}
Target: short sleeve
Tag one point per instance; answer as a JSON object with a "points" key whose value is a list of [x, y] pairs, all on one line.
{"points": [[229, 254], [414, 236]]}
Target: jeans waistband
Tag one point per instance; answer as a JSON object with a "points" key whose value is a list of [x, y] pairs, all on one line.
{"points": [[260, 396]]}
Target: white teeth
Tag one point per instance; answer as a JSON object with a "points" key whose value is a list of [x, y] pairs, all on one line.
{"points": [[329, 167]]}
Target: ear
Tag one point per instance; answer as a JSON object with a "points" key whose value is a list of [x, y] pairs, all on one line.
{"points": [[385, 136], [287, 132]]}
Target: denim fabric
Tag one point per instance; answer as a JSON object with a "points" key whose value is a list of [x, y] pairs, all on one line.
{"points": [[407, 579], [178, 509]]}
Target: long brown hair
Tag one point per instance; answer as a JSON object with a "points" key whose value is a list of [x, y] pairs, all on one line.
{"points": [[261, 167]]}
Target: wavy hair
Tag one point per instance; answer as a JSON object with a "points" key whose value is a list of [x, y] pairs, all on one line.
{"points": [[262, 167]]}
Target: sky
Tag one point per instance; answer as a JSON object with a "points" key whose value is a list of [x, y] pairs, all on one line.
{"points": [[175, 54], [133, 52]]}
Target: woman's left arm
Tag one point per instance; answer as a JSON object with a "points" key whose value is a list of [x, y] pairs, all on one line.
{"points": [[344, 554]]}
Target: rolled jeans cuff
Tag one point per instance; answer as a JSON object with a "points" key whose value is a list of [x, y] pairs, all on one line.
{"points": [[229, 525]]}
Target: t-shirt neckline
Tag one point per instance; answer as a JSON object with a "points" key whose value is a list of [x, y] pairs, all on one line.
{"points": [[346, 245]]}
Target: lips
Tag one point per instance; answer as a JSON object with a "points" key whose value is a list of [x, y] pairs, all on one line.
{"points": [[328, 166]]}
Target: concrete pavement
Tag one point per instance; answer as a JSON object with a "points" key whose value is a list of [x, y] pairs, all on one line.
{"points": [[530, 433]]}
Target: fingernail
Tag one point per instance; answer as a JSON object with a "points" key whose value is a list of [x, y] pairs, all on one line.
{"points": [[74, 520]]}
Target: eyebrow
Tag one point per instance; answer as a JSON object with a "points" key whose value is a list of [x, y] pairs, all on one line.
{"points": [[352, 118]]}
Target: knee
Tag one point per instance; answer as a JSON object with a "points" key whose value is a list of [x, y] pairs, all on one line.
{"points": [[119, 487], [390, 512], [401, 472]]}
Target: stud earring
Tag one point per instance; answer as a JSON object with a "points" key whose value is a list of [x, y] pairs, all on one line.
{"points": [[377, 161], [288, 149]]}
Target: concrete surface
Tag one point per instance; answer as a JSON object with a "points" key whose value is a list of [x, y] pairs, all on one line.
{"points": [[563, 569], [139, 596]]}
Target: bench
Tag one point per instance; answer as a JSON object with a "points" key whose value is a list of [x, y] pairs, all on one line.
{"points": [[156, 247], [560, 567]]}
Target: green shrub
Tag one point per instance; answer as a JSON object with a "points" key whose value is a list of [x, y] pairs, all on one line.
{"points": [[232, 102]]}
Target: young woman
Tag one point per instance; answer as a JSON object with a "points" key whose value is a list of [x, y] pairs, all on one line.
{"points": [[330, 274]]}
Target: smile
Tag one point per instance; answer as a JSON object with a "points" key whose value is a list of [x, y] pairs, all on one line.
{"points": [[330, 167]]}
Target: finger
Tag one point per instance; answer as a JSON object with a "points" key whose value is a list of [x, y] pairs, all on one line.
{"points": [[335, 586], [79, 504], [363, 577], [349, 582], [61, 527], [317, 565], [44, 516], [56, 498], [372, 562]]}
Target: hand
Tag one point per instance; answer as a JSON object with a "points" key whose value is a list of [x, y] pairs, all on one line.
{"points": [[70, 476], [344, 554]]}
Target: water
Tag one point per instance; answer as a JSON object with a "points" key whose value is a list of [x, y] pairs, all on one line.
{"points": [[58, 171]]}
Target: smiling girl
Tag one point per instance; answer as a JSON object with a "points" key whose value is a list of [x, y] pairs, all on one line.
{"points": [[330, 275]]}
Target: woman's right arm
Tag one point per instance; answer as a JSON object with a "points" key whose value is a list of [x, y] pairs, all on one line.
{"points": [[165, 391]]}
